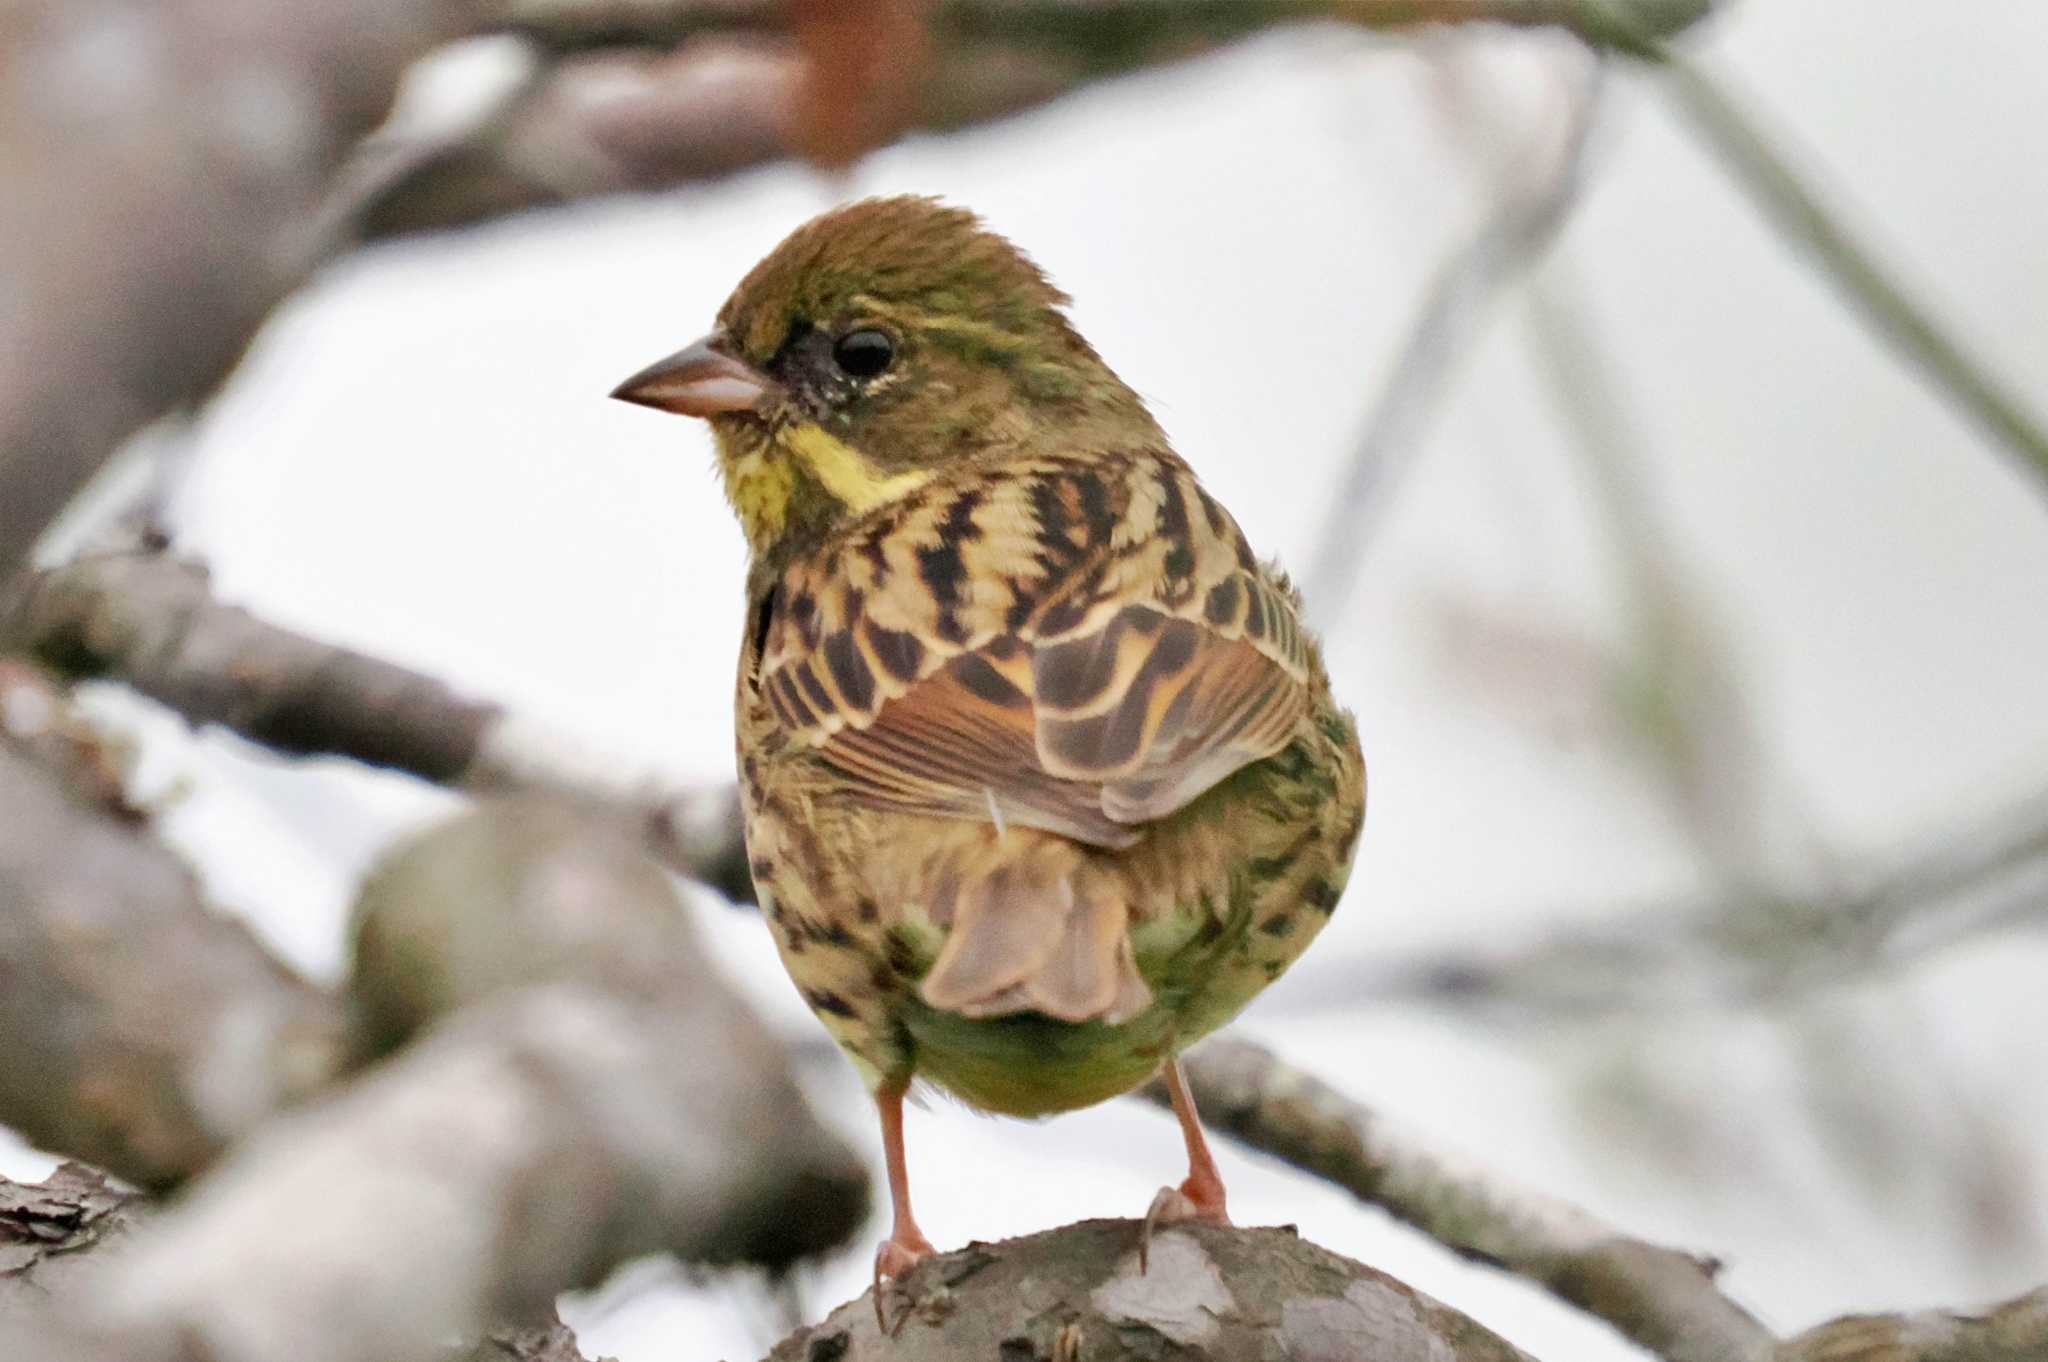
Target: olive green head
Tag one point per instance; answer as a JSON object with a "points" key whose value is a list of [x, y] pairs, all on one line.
{"points": [[877, 344]]}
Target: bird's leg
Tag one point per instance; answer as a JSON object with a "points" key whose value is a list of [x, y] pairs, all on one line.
{"points": [[1200, 1197], [906, 1245]]}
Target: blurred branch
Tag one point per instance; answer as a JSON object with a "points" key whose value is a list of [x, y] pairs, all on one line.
{"points": [[151, 622], [1680, 698], [1791, 204], [56, 1233], [1102, 33], [523, 1149], [163, 158], [643, 94], [1455, 305], [173, 163], [1985, 878], [108, 1050], [575, 1088], [1665, 1300], [2015, 1331]]}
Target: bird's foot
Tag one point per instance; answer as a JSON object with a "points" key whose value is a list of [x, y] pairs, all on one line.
{"points": [[900, 1252], [1195, 1199]]}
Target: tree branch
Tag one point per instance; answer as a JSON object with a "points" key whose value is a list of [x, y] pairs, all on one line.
{"points": [[1792, 206], [1663, 1299], [2016, 1331], [1209, 1294], [644, 94], [55, 1235], [137, 1029], [1982, 878], [1455, 304], [163, 158], [593, 1095], [151, 622]]}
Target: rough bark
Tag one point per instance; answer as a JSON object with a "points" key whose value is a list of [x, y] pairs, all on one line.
{"points": [[1209, 1294], [53, 1233]]}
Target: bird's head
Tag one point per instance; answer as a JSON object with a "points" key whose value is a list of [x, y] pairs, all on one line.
{"points": [[876, 345]]}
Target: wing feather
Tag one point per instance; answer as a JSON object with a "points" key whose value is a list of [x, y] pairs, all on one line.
{"points": [[1084, 645]]}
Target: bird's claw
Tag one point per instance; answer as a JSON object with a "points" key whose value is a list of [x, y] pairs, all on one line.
{"points": [[896, 1255], [1176, 1206]]}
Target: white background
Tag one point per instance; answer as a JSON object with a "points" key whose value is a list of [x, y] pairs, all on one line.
{"points": [[418, 459]]}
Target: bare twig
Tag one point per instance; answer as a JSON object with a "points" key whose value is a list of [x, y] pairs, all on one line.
{"points": [[1682, 702], [1662, 1299], [1791, 204], [1984, 878], [151, 622], [1454, 306]]}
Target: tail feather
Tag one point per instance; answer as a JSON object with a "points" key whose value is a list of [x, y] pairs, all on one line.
{"points": [[1024, 938]]}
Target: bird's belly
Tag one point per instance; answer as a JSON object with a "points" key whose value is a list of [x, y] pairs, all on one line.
{"points": [[1201, 968], [1029, 1064]]}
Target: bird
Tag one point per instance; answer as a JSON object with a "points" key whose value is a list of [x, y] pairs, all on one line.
{"points": [[1041, 774]]}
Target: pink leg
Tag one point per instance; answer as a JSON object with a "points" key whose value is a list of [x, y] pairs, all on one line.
{"points": [[1200, 1196], [906, 1245]]}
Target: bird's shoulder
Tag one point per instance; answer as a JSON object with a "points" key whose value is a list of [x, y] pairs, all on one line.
{"points": [[1027, 552], [1079, 643]]}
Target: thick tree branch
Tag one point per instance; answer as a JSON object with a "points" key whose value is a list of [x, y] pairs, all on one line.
{"points": [[56, 1234], [137, 1029], [152, 623], [1662, 1299], [1209, 1294], [594, 1095]]}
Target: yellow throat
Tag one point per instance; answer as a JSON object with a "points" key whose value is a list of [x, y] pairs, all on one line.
{"points": [[762, 480]]}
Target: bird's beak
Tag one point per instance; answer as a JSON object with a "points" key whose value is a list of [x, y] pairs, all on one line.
{"points": [[703, 379]]}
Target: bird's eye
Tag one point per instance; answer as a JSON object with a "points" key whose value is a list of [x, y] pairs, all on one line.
{"points": [[864, 353]]}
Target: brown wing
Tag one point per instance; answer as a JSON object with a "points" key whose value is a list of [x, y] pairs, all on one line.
{"points": [[1077, 646]]}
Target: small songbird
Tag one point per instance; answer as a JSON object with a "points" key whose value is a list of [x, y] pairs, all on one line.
{"points": [[1042, 776]]}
